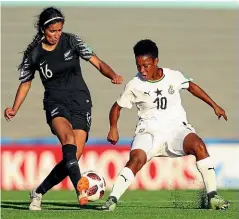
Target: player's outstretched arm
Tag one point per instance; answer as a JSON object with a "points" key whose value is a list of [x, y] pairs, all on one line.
{"points": [[106, 70], [113, 135], [21, 94], [201, 94]]}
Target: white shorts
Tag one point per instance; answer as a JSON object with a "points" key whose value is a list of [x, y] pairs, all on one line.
{"points": [[161, 143]]}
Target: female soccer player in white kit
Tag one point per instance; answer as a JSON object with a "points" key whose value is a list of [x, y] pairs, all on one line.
{"points": [[163, 129]]}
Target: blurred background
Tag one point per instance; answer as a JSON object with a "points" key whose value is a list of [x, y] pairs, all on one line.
{"points": [[201, 42]]}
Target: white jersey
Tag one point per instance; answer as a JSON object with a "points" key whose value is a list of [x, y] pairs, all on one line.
{"points": [[158, 100]]}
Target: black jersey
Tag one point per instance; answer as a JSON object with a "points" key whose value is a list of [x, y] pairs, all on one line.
{"points": [[60, 70]]}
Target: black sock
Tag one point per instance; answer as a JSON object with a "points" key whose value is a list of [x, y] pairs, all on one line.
{"points": [[57, 174], [71, 163], [211, 195]]}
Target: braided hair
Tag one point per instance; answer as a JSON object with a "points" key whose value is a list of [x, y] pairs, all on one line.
{"points": [[46, 18]]}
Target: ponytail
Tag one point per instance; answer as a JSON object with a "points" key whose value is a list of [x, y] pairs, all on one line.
{"points": [[36, 40]]}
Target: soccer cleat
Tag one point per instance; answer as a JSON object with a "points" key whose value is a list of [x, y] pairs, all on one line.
{"points": [[109, 205], [218, 203], [82, 187], [35, 199]]}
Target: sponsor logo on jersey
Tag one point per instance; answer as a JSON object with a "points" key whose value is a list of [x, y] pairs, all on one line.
{"points": [[171, 90], [41, 63]]}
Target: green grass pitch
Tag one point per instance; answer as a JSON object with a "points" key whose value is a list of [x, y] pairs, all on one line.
{"points": [[139, 204]]}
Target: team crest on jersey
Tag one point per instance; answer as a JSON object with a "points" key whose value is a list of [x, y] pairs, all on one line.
{"points": [[67, 55], [171, 90]]}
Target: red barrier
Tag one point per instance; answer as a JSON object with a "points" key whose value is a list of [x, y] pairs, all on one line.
{"points": [[24, 167]]}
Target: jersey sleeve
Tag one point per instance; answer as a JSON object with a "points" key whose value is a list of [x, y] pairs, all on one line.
{"points": [[83, 50], [182, 80], [127, 98], [27, 72]]}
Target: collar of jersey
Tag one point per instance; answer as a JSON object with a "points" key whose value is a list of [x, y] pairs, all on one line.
{"points": [[151, 81]]}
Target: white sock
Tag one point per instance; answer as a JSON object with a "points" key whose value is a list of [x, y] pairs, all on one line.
{"points": [[206, 168], [123, 181]]}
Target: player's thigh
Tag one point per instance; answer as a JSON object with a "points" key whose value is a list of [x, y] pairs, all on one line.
{"points": [[175, 146], [143, 142], [63, 129], [54, 110], [194, 145]]}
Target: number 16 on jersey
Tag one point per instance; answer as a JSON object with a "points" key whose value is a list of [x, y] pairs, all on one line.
{"points": [[47, 73]]}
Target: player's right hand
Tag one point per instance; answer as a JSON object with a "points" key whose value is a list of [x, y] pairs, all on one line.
{"points": [[113, 136], [117, 79], [220, 112], [9, 113]]}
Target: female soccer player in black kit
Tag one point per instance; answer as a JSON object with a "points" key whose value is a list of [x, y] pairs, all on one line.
{"points": [[67, 101]]}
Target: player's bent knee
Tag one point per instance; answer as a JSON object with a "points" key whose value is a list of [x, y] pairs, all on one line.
{"points": [[199, 148], [68, 139]]}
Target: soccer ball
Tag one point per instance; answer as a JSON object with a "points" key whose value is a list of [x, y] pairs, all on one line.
{"points": [[97, 185]]}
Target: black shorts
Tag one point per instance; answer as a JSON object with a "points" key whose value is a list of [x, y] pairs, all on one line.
{"points": [[79, 119]]}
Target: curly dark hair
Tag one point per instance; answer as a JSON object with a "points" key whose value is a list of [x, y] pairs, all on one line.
{"points": [[146, 47]]}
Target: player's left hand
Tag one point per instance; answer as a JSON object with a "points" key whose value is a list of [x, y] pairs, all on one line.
{"points": [[113, 136], [220, 112], [117, 79]]}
